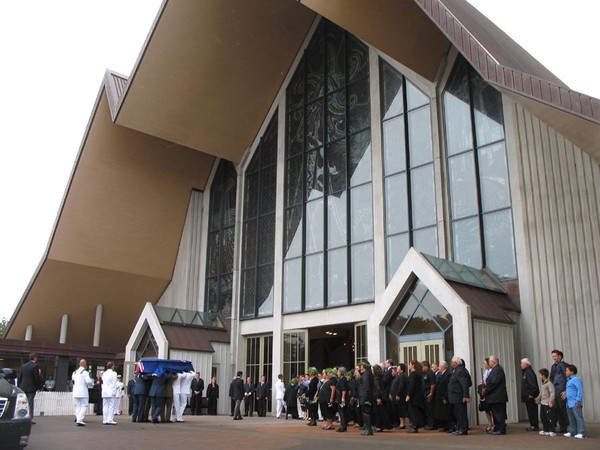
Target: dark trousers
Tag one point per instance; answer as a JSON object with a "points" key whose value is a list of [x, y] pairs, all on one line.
{"points": [[548, 418], [429, 413], [313, 411], [165, 414], [196, 404], [532, 413], [249, 405], [460, 414], [139, 402], [343, 412], [417, 416], [499, 414], [237, 414], [130, 407], [262, 407], [158, 405], [561, 413], [366, 414], [356, 410]]}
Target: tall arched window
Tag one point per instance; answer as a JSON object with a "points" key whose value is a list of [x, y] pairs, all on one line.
{"points": [[221, 240], [480, 202], [328, 232]]}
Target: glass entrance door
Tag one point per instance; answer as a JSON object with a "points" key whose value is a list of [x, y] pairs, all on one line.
{"points": [[295, 353], [431, 350]]}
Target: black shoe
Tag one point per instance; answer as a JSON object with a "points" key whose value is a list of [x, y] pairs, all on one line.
{"points": [[413, 430], [427, 428], [532, 429], [341, 430], [498, 432], [368, 433], [460, 433]]}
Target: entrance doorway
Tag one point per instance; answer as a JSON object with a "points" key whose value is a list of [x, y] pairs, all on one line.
{"points": [[332, 346]]}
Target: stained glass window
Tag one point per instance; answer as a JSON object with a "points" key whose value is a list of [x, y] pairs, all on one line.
{"points": [[221, 240], [258, 240], [328, 230]]}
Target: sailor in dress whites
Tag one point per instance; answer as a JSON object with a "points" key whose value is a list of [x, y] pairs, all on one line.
{"points": [[81, 383]]}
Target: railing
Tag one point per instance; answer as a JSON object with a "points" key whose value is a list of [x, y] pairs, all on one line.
{"points": [[61, 404]]}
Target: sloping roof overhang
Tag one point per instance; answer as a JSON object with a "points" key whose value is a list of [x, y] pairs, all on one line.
{"points": [[399, 28], [211, 70], [507, 66], [116, 237]]}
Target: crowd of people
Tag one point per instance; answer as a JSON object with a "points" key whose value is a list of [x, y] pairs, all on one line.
{"points": [[424, 395]]}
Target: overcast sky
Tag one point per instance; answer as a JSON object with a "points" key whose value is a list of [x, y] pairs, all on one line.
{"points": [[54, 54]]}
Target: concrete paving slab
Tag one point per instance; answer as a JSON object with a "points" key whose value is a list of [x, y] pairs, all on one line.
{"points": [[265, 433]]}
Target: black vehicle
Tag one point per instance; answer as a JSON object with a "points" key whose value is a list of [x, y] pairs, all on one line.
{"points": [[15, 421]]}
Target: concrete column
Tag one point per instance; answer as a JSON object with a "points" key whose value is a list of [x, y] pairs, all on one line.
{"points": [[97, 325], [28, 332], [64, 323]]}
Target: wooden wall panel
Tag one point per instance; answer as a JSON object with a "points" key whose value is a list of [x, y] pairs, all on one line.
{"points": [[556, 189]]}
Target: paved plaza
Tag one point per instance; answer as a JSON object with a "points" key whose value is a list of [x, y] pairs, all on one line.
{"points": [[221, 432]]}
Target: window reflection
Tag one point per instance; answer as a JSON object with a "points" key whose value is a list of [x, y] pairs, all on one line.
{"points": [[221, 240], [408, 168], [259, 223], [479, 189], [328, 189]]}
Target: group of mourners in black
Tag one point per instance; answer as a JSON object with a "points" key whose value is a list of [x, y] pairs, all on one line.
{"points": [[385, 397]]}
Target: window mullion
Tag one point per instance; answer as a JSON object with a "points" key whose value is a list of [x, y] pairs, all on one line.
{"points": [[476, 167], [348, 176]]}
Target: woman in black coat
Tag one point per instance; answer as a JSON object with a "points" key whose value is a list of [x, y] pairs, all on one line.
{"points": [[212, 396], [414, 395], [327, 398], [398, 394], [311, 395]]}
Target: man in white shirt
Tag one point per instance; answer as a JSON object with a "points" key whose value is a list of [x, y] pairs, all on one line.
{"points": [[109, 394], [119, 399], [81, 383], [279, 396]]}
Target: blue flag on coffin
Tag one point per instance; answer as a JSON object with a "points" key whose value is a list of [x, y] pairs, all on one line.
{"points": [[156, 367]]}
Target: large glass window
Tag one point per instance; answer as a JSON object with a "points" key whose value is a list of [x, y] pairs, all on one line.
{"points": [[421, 328], [221, 240], [328, 231], [478, 184], [258, 244], [409, 186]]}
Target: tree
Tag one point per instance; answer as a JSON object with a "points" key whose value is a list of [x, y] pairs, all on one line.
{"points": [[3, 324]]}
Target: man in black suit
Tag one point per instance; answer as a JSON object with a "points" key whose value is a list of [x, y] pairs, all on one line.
{"points": [[197, 388], [442, 408], [158, 394], [262, 395], [30, 380], [237, 395], [458, 395], [496, 396], [249, 389]]}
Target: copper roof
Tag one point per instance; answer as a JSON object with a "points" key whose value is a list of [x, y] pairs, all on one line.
{"points": [[503, 62], [485, 304], [194, 338]]}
